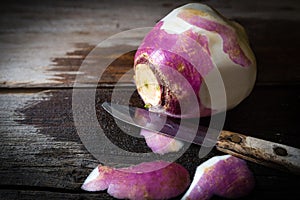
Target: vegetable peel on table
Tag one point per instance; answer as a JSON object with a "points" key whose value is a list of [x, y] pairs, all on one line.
{"points": [[161, 144], [158, 143], [225, 176], [194, 41], [177, 61], [151, 180]]}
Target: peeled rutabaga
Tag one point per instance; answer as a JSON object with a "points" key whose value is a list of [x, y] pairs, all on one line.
{"points": [[184, 50]]}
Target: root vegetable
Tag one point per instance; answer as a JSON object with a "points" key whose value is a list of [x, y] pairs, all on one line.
{"points": [[194, 41], [151, 180], [161, 144], [225, 176]]}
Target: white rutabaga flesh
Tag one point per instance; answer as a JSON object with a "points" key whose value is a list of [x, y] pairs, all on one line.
{"points": [[186, 48]]}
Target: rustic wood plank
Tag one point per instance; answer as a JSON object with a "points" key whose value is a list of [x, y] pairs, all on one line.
{"points": [[260, 117], [34, 34], [31, 194], [42, 153], [43, 44], [34, 158]]}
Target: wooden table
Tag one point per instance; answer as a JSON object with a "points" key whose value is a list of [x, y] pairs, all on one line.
{"points": [[43, 44]]}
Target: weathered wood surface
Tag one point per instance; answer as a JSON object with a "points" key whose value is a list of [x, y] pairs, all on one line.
{"points": [[43, 45], [42, 153]]}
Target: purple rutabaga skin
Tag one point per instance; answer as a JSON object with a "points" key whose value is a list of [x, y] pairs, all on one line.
{"points": [[161, 144], [201, 39], [188, 48], [225, 176], [152, 180], [229, 36], [171, 54]]}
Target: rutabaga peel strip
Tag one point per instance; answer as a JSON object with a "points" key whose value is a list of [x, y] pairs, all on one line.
{"points": [[225, 176], [151, 180], [161, 144]]}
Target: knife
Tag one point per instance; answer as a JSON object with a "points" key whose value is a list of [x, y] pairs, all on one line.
{"points": [[260, 151]]}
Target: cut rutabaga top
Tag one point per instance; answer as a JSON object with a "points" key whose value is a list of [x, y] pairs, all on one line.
{"points": [[180, 57]]}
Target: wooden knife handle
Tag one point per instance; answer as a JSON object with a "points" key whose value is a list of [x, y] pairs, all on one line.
{"points": [[260, 151]]}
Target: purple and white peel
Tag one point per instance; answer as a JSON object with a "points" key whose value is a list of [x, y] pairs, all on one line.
{"points": [[225, 176], [161, 144], [151, 180], [194, 41]]}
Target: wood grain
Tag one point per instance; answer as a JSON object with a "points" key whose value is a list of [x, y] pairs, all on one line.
{"points": [[60, 35], [41, 150], [7, 194], [43, 44]]}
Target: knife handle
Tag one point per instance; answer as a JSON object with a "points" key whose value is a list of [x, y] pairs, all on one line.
{"points": [[260, 151]]}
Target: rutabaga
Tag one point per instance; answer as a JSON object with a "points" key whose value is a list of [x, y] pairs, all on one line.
{"points": [[180, 55]]}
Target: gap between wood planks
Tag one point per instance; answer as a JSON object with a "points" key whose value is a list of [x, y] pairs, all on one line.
{"points": [[35, 89], [62, 70]]}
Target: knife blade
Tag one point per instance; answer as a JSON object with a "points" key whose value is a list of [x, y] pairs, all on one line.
{"points": [[260, 151], [161, 124]]}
